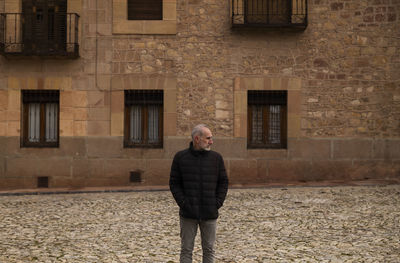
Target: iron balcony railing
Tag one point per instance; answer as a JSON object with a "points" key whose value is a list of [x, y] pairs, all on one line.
{"points": [[18, 38], [269, 13]]}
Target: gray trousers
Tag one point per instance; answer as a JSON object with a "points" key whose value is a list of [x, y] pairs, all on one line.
{"points": [[188, 233]]}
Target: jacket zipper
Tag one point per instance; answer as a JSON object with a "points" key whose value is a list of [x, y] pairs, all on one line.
{"points": [[201, 187]]}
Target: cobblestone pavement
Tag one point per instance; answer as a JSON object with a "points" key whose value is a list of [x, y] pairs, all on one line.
{"points": [[299, 224]]}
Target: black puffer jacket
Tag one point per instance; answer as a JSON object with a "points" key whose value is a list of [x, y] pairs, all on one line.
{"points": [[198, 183]]}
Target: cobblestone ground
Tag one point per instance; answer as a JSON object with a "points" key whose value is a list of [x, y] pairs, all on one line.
{"points": [[338, 224]]}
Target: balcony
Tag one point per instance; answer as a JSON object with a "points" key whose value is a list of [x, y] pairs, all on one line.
{"points": [[53, 36], [269, 14]]}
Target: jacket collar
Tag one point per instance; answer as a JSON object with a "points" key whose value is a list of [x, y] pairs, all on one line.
{"points": [[196, 152]]}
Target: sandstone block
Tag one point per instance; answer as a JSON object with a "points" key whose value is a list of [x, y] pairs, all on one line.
{"points": [[104, 147], [309, 149], [288, 171], [170, 124], [122, 167], [13, 128], [386, 149], [99, 114], [330, 170], [157, 171], [364, 170], [352, 149], [3, 128], [267, 154], [80, 128], [230, 147], [67, 128], [21, 167], [243, 172], [98, 128], [3, 100], [74, 147]]}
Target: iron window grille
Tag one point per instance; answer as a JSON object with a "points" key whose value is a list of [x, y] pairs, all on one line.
{"points": [[267, 120], [145, 9], [143, 118], [269, 13], [40, 125]]}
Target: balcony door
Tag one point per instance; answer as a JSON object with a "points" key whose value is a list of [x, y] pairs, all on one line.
{"points": [[44, 26], [271, 12]]}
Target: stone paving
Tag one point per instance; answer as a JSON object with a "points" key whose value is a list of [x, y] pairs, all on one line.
{"points": [[299, 224]]}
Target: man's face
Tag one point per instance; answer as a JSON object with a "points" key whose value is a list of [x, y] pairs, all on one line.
{"points": [[205, 141]]}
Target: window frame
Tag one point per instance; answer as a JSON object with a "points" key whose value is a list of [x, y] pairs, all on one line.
{"points": [[265, 105], [52, 96], [144, 118]]}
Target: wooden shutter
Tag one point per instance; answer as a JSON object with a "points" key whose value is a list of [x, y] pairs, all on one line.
{"points": [[145, 9], [27, 22], [39, 27], [273, 12], [60, 24], [44, 26]]}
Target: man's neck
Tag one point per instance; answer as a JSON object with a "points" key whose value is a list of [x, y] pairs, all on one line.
{"points": [[197, 148]]}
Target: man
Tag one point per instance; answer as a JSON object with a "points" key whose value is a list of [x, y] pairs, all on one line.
{"points": [[199, 185]]}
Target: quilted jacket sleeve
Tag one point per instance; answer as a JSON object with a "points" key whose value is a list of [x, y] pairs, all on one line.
{"points": [[222, 187], [175, 182]]}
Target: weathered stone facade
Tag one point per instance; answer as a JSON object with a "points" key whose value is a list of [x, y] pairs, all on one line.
{"points": [[342, 75]]}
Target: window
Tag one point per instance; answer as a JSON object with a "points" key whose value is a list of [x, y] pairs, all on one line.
{"points": [[40, 118], [143, 118], [144, 17], [267, 119], [145, 10]]}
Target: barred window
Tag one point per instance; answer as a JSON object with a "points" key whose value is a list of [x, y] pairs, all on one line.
{"points": [[143, 118], [267, 119], [145, 10], [40, 125]]}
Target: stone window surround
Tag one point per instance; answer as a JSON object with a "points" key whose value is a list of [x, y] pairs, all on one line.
{"points": [[120, 83], [13, 6], [243, 84], [121, 24], [16, 84]]}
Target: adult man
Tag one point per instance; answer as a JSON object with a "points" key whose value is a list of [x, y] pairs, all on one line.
{"points": [[199, 185]]}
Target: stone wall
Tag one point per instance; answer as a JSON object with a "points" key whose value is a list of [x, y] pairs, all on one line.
{"points": [[342, 75]]}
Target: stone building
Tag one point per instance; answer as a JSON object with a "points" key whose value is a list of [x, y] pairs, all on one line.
{"points": [[104, 92]]}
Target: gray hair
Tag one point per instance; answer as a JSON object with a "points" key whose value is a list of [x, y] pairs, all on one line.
{"points": [[198, 130]]}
